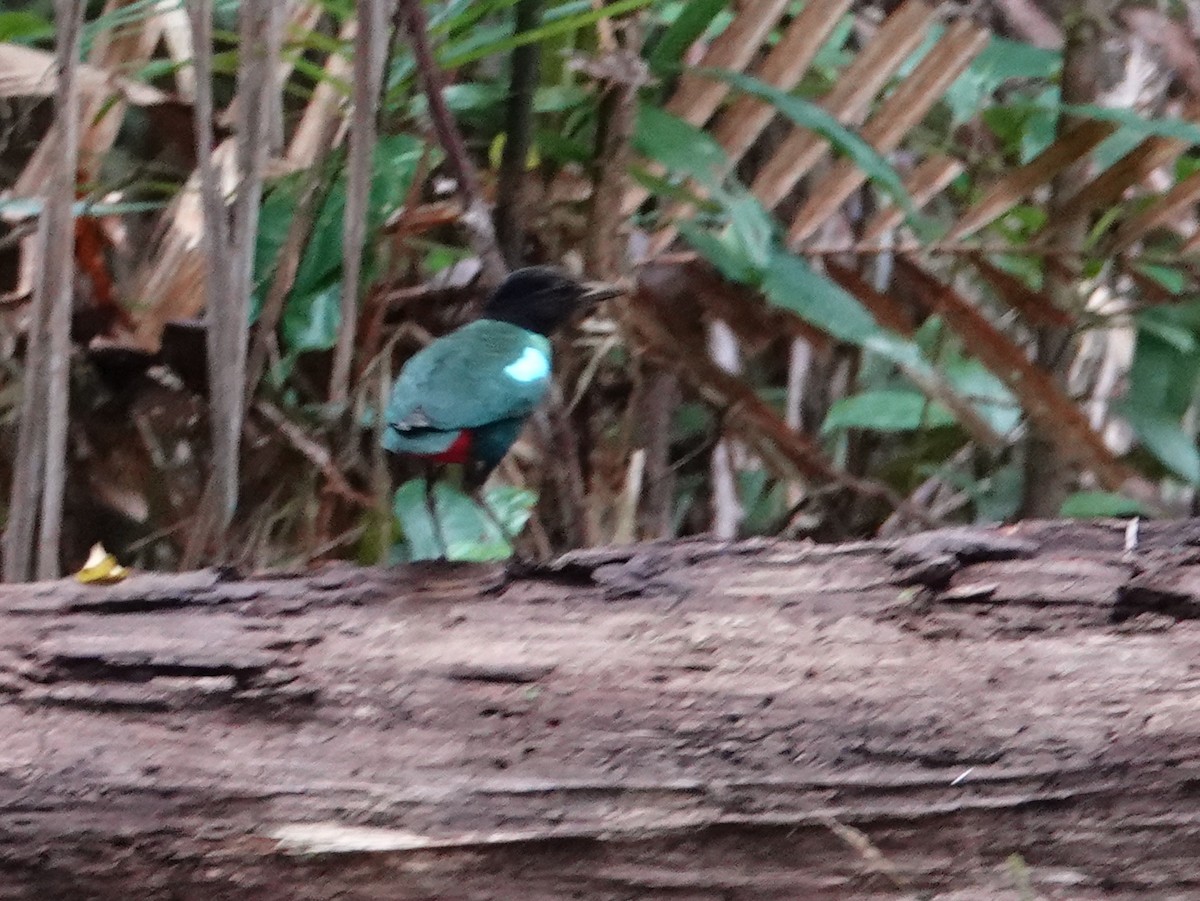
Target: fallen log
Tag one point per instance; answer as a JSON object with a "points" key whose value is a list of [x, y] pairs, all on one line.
{"points": [[961, 715]]}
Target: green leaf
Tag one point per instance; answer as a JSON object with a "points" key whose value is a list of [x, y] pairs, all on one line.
{"points": [[1099, 505], [1165, 439], [1002, 60], [1158, 126], [395, 163], [1171, 278], [274, 221], [998, 496], [311, 320], [550, 26], [793, 284], [24, 27], [729, 258], [751, 227], [412, 513], [679, 146], [470, 535], [990, 397], [809, 115], [511, 507], [693, 20], [1163, 376], [886, 411]]}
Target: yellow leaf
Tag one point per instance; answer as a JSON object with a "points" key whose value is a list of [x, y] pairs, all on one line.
{"points": [[101, 568]]}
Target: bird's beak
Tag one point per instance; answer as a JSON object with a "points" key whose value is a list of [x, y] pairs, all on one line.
{"points": [[594, 292]]}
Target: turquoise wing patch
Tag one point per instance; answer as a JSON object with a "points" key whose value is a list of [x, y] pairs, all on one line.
{"points": [[533, 365]]}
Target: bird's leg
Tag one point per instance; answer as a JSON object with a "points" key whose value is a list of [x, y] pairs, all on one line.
{"points": [[431, 509]]}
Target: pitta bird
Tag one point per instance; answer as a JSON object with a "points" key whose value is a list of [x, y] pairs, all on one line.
{"points": [[464, 398]]}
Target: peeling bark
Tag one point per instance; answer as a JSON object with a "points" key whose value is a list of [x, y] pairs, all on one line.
{"points": [[693, 720]]}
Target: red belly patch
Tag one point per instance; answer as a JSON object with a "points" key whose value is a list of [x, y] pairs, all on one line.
{"points": [[458, 452]]}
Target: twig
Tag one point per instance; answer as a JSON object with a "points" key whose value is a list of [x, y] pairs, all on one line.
{"points": [[410, 15], [370, 44], [59, 283], [621, 73], [316, 454], [518, 136], [42, 437], [229, 246]]}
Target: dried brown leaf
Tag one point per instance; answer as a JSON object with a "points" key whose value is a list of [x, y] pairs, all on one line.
{"points": [[29, 72], [931, 176], [1109, 186], [896, 39], [698, 97], [1034, 307], [1015, 186], [900, 112], [1175, 40], [892, 315], [739, 126], [1178, 202], [1041, 398]]}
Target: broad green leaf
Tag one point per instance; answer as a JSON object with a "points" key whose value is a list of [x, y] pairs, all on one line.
{"points": [[1002, 60], [1165, 439], [793, 284], [726, 255], [469, 534], [1171, 278], [274, 220], [412, 512], [1142, 126], [463, 98], [557, 98], [998, 496], [1099, 505], [679, 146], [1025, 130], [511, 507], [311, 320], [322, 257], [1163, 376], [762, 499], [886, 411], [395, 163], [991, 399], [751, 227]]}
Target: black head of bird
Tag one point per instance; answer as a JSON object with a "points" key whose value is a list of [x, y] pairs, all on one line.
{"points": [[541, 299]]}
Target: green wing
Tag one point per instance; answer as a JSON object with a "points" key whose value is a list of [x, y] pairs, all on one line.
{"points": [[483, 373]]}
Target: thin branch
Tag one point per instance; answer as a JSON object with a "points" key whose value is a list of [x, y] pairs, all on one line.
{"points": [[410, 15], [59, 284], [42, 437], [619, 74], [370, 43], [518, 135], [229, 247]]}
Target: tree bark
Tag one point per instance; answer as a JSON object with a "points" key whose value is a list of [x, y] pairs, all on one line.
{"points": [[696, 720]]}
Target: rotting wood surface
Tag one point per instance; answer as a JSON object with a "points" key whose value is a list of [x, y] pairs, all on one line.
{"points": [[687, 721]]}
